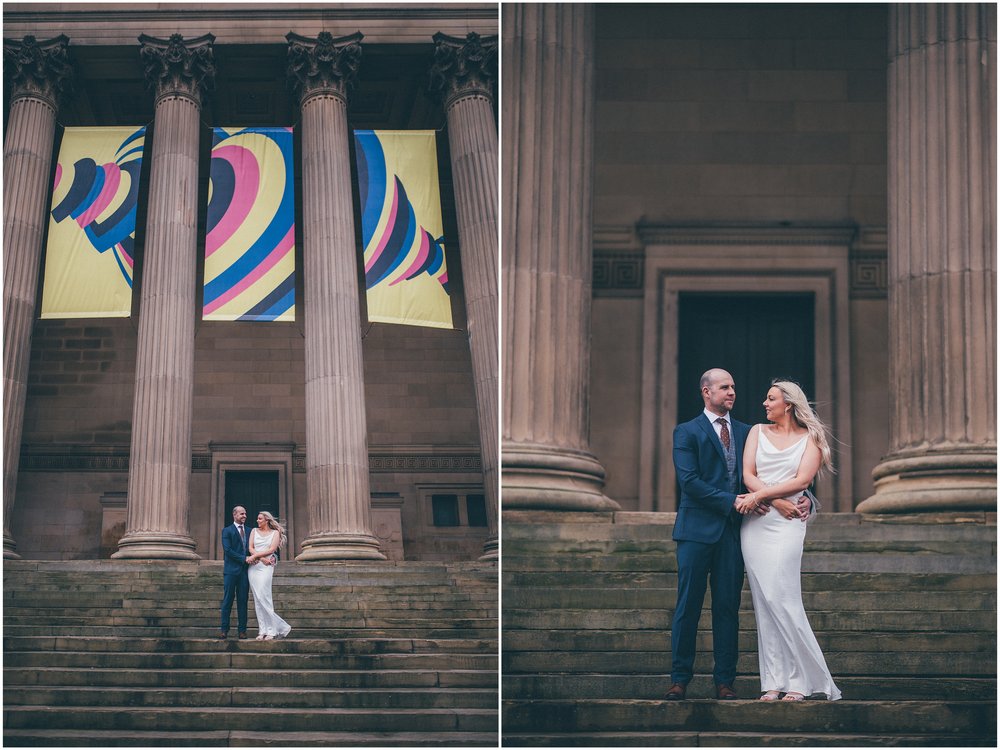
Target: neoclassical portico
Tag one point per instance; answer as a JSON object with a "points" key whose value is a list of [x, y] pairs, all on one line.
{"points": [[321, 69]]}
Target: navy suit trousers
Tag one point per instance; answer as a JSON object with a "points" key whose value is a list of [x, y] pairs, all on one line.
{"points": [[235, 586], [698, 566]]}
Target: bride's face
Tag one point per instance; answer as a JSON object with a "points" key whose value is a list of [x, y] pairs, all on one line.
{"points": [[774, 404], [261, 521]]}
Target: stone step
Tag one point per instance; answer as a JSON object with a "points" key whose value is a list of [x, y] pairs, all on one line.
{"points": [[892, 582], [295, 645], [185, 719], [654, 687], [832, 601], [210, 620], [740, 739], [973, 663], [227, 678], [264, 696], [849, 621], [241, 738], [206, 630], [281, 659], [659, 640], [943, 718]]}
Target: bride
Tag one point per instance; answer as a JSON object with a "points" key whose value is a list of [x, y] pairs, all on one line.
{"points": [[264, 541], [779, 463]]}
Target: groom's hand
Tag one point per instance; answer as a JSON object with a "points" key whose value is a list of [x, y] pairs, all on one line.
{"points": [[804, 506]]}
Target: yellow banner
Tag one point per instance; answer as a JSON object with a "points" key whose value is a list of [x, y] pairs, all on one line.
{"points": [[406, 274], [89, 256]]}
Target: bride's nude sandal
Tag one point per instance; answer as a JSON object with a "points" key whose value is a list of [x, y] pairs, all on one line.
{"points": [[793, 697], [771, 695]]}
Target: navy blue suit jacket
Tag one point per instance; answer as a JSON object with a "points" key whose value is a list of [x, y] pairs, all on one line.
{"points": [[234, 550], [706, 502]]}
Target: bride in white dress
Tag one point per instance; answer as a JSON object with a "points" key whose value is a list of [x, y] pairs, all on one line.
{"points": [[264, 541], [779, 463]]}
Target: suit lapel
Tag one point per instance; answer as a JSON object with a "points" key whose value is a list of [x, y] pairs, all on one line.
{"points": [[712, 437]]}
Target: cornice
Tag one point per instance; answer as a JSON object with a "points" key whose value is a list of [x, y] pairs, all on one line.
{"points": [[751, 233], [247, 12]]}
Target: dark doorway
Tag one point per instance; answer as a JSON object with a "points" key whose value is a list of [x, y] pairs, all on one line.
{"points": [[255, 491], [756, 337]]}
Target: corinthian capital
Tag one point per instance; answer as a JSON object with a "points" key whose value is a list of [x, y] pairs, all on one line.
{"points": [[324, 64], [40, 69], [463, 67], [177, 67]]}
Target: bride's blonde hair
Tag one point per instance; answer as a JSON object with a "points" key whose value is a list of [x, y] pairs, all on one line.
{"points": [[272, 523], [804, 416]]}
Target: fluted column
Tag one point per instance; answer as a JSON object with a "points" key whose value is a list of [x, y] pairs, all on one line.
{"points": [[39, 71], [463, 73], [942, 253], [548, 100], [160, 459], [321, 71]]}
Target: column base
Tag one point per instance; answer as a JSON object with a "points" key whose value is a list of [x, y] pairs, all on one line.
{"points": [[491, 550], [961, 479], [545, 477], [329, 547], [9, 545], [146, 545]]}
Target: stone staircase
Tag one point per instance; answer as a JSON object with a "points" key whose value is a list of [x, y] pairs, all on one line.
{"points": [[904, 609], [108, 653]]}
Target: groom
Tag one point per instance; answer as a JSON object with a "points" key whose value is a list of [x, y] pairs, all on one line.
{"points": [[708, 458], [236, 584]]}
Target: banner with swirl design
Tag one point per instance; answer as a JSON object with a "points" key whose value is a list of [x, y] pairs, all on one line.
{"points": [[89, 256], [250, 240], [406, 275]]}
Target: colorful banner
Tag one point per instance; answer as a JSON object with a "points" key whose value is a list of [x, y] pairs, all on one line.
{"points": [[250, 241], [405, 271], [89, 256]]}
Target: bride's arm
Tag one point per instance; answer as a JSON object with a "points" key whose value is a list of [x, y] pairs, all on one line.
{"points": [[808, 467], [750, 479]]}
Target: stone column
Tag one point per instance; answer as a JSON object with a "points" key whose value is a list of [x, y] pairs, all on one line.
{"points": [[321, 71], [39, 71], [942, 253], [160, 461], [548, 101], [463, 73]]}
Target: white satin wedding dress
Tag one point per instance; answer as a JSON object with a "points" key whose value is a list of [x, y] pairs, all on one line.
{"points": [[268, 622], [790, 658]]}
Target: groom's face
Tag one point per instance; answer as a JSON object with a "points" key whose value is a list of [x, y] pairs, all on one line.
{"points": [[720, 394]]}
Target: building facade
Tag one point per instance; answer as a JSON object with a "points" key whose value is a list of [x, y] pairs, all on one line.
{"points": [[797, 191], [134, 437]]}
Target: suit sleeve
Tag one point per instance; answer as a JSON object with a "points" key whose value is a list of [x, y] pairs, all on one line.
{"points": [[692, 485], [232, 550]]}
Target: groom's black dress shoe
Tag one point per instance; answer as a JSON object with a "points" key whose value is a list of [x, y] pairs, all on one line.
{"points": [[677, 692], [243, 635], [725, 693], [223, 635]]}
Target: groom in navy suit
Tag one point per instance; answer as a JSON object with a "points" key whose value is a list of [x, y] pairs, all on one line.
{"points": [[236, 584], [708, 458]]}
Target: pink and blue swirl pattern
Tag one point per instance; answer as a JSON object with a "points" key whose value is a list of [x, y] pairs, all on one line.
{"points": [[250, 241], [94, 188]]}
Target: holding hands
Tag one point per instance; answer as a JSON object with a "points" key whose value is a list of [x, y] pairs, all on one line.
{"points": [[789, 508]]}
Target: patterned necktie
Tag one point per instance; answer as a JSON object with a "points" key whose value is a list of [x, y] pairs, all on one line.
{"points": [[243, 538], [724, 435]]}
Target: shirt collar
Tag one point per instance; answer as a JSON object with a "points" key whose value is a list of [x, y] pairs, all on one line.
{"points": [[712, 417]]}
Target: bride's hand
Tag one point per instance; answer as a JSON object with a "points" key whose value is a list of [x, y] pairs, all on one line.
{"points": [[787, 508]]}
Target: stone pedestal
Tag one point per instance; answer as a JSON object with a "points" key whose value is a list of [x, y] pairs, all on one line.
{"points": [[463, 73], [160, 458], [548, 96], [38, 71], [340, 526], [942, 255]]}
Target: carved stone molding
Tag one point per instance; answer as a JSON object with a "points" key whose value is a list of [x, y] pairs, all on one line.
{"points": [[762, 233], [175, 67], [324, 65], [38, 69], [870, 264], [463, 67], [618, 274]]}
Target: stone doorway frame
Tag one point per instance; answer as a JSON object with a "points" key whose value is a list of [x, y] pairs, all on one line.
{"points": [[252, 457], [752, 258]]}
